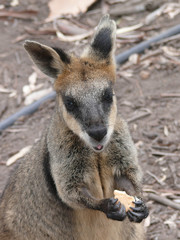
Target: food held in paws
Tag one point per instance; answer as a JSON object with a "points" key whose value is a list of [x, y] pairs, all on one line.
{"points": [[124, 199]]}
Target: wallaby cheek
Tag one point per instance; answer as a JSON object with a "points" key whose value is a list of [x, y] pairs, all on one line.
{"points": [[71, 122]]}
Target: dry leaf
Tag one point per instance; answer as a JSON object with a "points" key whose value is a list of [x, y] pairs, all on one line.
{"points": [[174, 52], [129, 29], [27, 89], [134, 58], [172, 9], [32, 78], [18, 155], [5, 90], [69, 28], [79, 37], [37, 95], [14, 3], [61, 7]]}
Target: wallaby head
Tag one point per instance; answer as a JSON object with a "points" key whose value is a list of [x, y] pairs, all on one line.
{"points": [[84, 85]]}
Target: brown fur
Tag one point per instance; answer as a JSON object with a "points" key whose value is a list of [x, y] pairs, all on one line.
{"points": [[84, 70], [57, 190]]}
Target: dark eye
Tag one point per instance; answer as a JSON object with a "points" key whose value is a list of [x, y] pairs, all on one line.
{"points": [[70, 103], [107, 96]]}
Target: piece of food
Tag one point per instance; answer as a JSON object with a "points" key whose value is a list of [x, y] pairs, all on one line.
{"points": [[125, 199]]}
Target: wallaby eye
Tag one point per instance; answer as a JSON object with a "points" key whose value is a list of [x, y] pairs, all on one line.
{"points": [[107, 96], [70, 103]]}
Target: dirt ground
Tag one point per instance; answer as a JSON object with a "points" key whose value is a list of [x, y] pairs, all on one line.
{"points": [[148, 94]]}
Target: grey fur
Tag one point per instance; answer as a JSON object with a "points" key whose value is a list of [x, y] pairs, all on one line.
{"points": [[61, 190]]}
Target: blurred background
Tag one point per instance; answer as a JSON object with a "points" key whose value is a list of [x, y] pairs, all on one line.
{"points": [[147, 87]]}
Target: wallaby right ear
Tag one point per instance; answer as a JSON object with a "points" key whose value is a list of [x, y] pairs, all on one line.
{"points": [[50, 61], [103, 43]]}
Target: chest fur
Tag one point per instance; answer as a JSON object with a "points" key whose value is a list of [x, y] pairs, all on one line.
{"points": [[100, 178]]}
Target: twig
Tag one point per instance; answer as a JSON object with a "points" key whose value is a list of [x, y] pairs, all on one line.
{"points": [[139, 88], [173, 171], [165, 154], [156, 178], [142, 115], [26, 14], [170, 95], [151, 54], [172, 59], [163, 201], [161, 148], [118, 10]]}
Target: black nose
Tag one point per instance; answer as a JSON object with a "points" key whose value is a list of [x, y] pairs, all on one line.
{"points": [[97, 133]]}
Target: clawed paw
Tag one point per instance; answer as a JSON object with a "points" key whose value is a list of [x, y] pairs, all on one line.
{"points": [[139, 212], [115, 210]]}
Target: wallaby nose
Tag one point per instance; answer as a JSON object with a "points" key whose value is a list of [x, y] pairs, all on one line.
{"points": [[97, 133]]}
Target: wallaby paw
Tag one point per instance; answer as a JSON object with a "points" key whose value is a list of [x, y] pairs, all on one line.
{"points": [[139, 212], [114, 209]]}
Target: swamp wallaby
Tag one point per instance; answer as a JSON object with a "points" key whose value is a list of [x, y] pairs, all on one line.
{"points": [[63, 189]]}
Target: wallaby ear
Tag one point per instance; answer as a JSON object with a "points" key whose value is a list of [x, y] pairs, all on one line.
{"points": [[50, 61], [102, 45]]}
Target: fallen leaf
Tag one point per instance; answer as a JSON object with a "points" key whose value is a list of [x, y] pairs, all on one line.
{"points": [[79, 37], [60, 7], [18, 155], [36, 96], [32, 78], [172, 9], [5, 90], [69, 28], [1, 6], [134, 58], [128, 29], [174, 52], [14, 3]]}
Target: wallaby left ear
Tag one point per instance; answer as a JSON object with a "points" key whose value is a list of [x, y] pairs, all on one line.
{"points": [[51, 61], [103, 43]]}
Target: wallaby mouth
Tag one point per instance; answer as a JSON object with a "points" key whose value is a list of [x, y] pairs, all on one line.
{"points": [[99, 147], [97, 136]]}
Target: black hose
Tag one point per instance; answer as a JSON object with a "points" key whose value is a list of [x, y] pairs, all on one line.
{"points": [[139, 48], [25, 111], [122, 57]]}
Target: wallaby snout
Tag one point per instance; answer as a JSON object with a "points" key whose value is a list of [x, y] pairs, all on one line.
{"points": [[97, 133]]}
